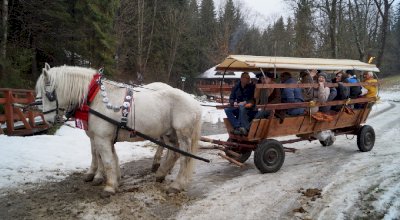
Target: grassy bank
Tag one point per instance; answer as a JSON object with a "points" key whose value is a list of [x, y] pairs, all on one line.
{"points": [[389, 82]]}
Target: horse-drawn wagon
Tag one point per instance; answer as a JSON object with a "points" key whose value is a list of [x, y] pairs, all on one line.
{"points": [[269, 153], [74, 89]]}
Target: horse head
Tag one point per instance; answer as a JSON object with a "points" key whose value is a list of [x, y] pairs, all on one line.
{"points": [[46, 96], [62, 89]]}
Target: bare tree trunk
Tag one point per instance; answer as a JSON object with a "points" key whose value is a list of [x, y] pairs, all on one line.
{"points": [[34, 57], [385, 24], [142, 58], [140, 8], [332, 14], [5, 31], [355, 19], [176, 27], [151, 36]]}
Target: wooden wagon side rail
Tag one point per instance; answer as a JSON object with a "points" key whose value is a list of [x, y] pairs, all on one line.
{"points": [[9, 99], [305, 124], [314, 85], [313, 104], [228, 88], [215, 88]]}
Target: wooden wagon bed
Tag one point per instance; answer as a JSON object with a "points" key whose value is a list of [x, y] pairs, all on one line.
{"points": [[269, 153]]}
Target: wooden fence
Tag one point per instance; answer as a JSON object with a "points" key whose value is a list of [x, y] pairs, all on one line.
{"points": [[19, 122]]}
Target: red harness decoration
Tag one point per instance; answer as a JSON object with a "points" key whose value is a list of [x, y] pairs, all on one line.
{"points": [[82, 113]]}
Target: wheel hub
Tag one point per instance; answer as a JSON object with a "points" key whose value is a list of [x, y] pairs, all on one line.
{"points": [[270, 156]]}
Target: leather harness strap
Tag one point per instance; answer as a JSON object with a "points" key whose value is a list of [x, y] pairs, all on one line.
{"points": [[121, 125]]}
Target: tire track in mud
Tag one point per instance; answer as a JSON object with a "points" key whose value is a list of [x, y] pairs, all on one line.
{"points": [[140, 197], [319, 167], [365, 175]]}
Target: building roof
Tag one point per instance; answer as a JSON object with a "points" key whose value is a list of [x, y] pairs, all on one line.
{"points": [[214, 74]]}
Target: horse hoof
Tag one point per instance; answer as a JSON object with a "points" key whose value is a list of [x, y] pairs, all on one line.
{"points": [[160, 179], [172, 191], [106, 194], [155, 167], [88, 177], [97, 181]]}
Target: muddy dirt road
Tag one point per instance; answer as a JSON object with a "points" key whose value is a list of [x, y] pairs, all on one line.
{"points": [[345, 182]]}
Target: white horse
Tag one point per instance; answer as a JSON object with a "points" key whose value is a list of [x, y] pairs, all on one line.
{"points": [[96, 171], [162, 113]]}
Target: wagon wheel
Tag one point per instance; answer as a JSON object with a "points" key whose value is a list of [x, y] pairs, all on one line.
{"points": [[365, 138], [269, 156], [244, 154], [328, 142]]}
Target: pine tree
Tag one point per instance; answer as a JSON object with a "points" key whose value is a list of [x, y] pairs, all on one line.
{"points": [[36, 36], [304, 39], [95, 19], [278, 38], [207, 25], [189, 53]]}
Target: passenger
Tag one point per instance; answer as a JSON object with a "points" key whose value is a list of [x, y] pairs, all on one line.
{"points": [[291, 95], [264, 96], [306, 79], [314, 74], [342, 91], [322, 93], [331, 97], [242, 94], [372, 90], [349, 77]]}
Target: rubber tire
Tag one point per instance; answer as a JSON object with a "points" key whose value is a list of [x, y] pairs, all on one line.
{"points": [[269, 156], [365, 138], [327, 142], [244, 155]]}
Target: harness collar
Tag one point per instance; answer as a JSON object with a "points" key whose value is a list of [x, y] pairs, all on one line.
{"points": [[81, 114]]}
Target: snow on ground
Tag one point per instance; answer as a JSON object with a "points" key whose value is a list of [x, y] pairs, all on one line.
{"points": [[48, 157], [340, 172]]}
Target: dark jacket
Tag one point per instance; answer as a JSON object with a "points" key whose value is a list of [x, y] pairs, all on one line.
{"points": [[343, 92], [355, 91], [266, 98], [239, 94], [289, 95]]}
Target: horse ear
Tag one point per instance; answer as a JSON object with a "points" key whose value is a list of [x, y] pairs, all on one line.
{"points": [[46, 75], [46, 66]]}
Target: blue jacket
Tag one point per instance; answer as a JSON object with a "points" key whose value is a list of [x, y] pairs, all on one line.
{"points": [[240, 94], [289, 95], [355, 91]]}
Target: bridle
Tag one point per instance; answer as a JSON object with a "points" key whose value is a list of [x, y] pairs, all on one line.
{"points": [[52, 97]]}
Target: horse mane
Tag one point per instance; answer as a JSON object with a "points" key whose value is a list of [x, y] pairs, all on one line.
{"points": [[70, 82]]}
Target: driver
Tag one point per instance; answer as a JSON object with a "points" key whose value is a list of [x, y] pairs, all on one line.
{"points": [[240, 100]]}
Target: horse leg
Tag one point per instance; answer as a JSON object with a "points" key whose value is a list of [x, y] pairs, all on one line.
{"points": [[188, 141], [105, 149], [89, 175], [116, 161], [99, 177], [166, 165], [170, 160], [157, 159], [186, 164]]}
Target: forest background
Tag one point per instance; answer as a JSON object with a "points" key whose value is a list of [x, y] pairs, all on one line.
{"points": [[165, 40]]}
